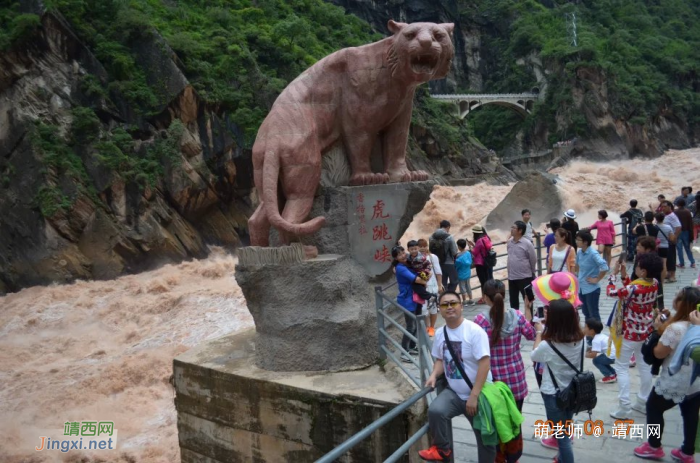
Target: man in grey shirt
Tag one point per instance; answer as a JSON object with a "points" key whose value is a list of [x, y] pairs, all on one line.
{"points": [[672, 220], [446, 251], [521, 266]]}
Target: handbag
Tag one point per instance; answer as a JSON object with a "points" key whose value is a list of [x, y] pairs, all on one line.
{"points": [[667, 238], [580, 394]]}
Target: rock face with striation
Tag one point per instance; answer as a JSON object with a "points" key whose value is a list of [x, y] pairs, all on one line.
{"points": [[537, 192], [59, 222]]}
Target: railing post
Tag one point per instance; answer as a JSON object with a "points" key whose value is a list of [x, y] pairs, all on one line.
{"points": [[538, 249], [379, 305], [420, 332], [623, 225]]}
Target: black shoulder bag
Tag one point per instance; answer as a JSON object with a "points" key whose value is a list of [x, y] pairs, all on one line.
{"points": [[580, 394], [458, 364]]}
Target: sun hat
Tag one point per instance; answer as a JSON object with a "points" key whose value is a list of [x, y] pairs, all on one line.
{"points": [[478, 229], [560, 285], [571, 214]]}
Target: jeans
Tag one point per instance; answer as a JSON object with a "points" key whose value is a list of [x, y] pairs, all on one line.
{"points": [[446, 406], [684, 243], [411, 324], [556, 414], [590, 304], [449, 276], [690, 407], [603, 362], [622, 368], [631, 246]]}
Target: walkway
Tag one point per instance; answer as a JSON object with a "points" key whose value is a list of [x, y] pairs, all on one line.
{"points": [[589, 448]]}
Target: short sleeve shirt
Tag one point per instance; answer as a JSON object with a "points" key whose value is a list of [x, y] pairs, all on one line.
{"points": [[672, 220], [469, 342], [678, 386], [563, 373]]}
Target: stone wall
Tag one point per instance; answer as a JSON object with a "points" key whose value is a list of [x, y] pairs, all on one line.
{"points": [[230, 411]]}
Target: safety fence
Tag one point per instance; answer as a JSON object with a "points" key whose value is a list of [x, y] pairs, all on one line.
{"points": [[389, 314]]}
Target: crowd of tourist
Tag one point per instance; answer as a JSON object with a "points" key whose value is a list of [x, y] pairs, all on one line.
{"points": [[479, 370]]}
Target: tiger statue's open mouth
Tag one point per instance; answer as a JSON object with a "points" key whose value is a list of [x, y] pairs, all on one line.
{"points": [[424, 64]]}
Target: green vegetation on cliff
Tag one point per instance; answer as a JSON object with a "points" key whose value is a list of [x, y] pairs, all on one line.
{"points": [[647, 52], [238, 54]]}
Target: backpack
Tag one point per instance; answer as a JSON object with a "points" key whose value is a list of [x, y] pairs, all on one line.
{"points": [[580, 394], [491, 258], [636, 217], [438, 247]]}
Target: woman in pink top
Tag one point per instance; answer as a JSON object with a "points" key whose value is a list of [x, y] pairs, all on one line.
{"points": [[605, 239], [480, 248]]}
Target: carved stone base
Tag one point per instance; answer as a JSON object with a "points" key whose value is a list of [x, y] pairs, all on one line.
{"points": [[347, 233]]}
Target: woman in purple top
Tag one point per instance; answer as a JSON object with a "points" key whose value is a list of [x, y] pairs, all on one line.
{"points": [[605, 239]]}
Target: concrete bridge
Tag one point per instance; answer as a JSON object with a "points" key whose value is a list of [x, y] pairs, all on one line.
{"points": [[520, 102]]}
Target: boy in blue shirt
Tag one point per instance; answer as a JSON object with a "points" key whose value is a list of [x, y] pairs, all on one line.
{"points": [[463, 263]]}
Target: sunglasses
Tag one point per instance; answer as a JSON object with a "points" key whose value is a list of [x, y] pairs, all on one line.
{"points": [[452, 304]]}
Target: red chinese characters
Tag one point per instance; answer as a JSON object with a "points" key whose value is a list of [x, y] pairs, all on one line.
{"points": [[379, 210], [360, 210], [380, 232], [382, 255]]}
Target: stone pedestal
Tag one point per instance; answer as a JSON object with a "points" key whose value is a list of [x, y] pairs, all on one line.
{"points": [[230, 411], [313, 315], [365, 222]]}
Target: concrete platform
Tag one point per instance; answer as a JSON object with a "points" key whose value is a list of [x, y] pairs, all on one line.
{"points": [[231, 411]]}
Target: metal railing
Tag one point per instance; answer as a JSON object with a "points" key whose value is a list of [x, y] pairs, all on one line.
{"points": [[366, 432], [388, 314]]}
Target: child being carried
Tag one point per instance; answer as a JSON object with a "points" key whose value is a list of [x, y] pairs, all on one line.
{"points": [[419, 263]]}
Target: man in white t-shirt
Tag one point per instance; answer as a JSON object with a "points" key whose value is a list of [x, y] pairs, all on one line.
{"points": [[471, 344]]}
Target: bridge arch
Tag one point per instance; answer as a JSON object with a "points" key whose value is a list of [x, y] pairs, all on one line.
{"points": [[519, 107], [522, 103]]}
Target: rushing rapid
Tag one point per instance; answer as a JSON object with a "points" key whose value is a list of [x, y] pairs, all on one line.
{"points": [[104, 349]]}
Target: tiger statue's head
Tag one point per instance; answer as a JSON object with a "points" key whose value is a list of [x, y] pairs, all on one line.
{"points": [[420, 51]]}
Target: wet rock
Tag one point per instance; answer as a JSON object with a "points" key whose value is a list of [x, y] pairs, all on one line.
{"points": [[537, 192]]}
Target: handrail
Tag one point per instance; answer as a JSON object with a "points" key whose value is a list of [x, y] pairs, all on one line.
{"points": [[425, 362], [366, 432]]}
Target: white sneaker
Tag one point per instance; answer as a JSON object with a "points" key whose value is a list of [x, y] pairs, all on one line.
{"points": [[405, 358], [639, 406], [621, 414]]}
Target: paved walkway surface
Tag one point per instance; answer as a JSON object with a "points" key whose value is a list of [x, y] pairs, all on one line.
{"points": [[588, 448]]}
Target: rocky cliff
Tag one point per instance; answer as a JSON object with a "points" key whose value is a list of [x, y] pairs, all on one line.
{"points": [[499, 48], [99, 177], [91, 189]]}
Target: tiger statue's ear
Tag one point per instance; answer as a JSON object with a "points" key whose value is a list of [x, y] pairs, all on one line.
{"points": [[449, 27], [395, 27]]}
